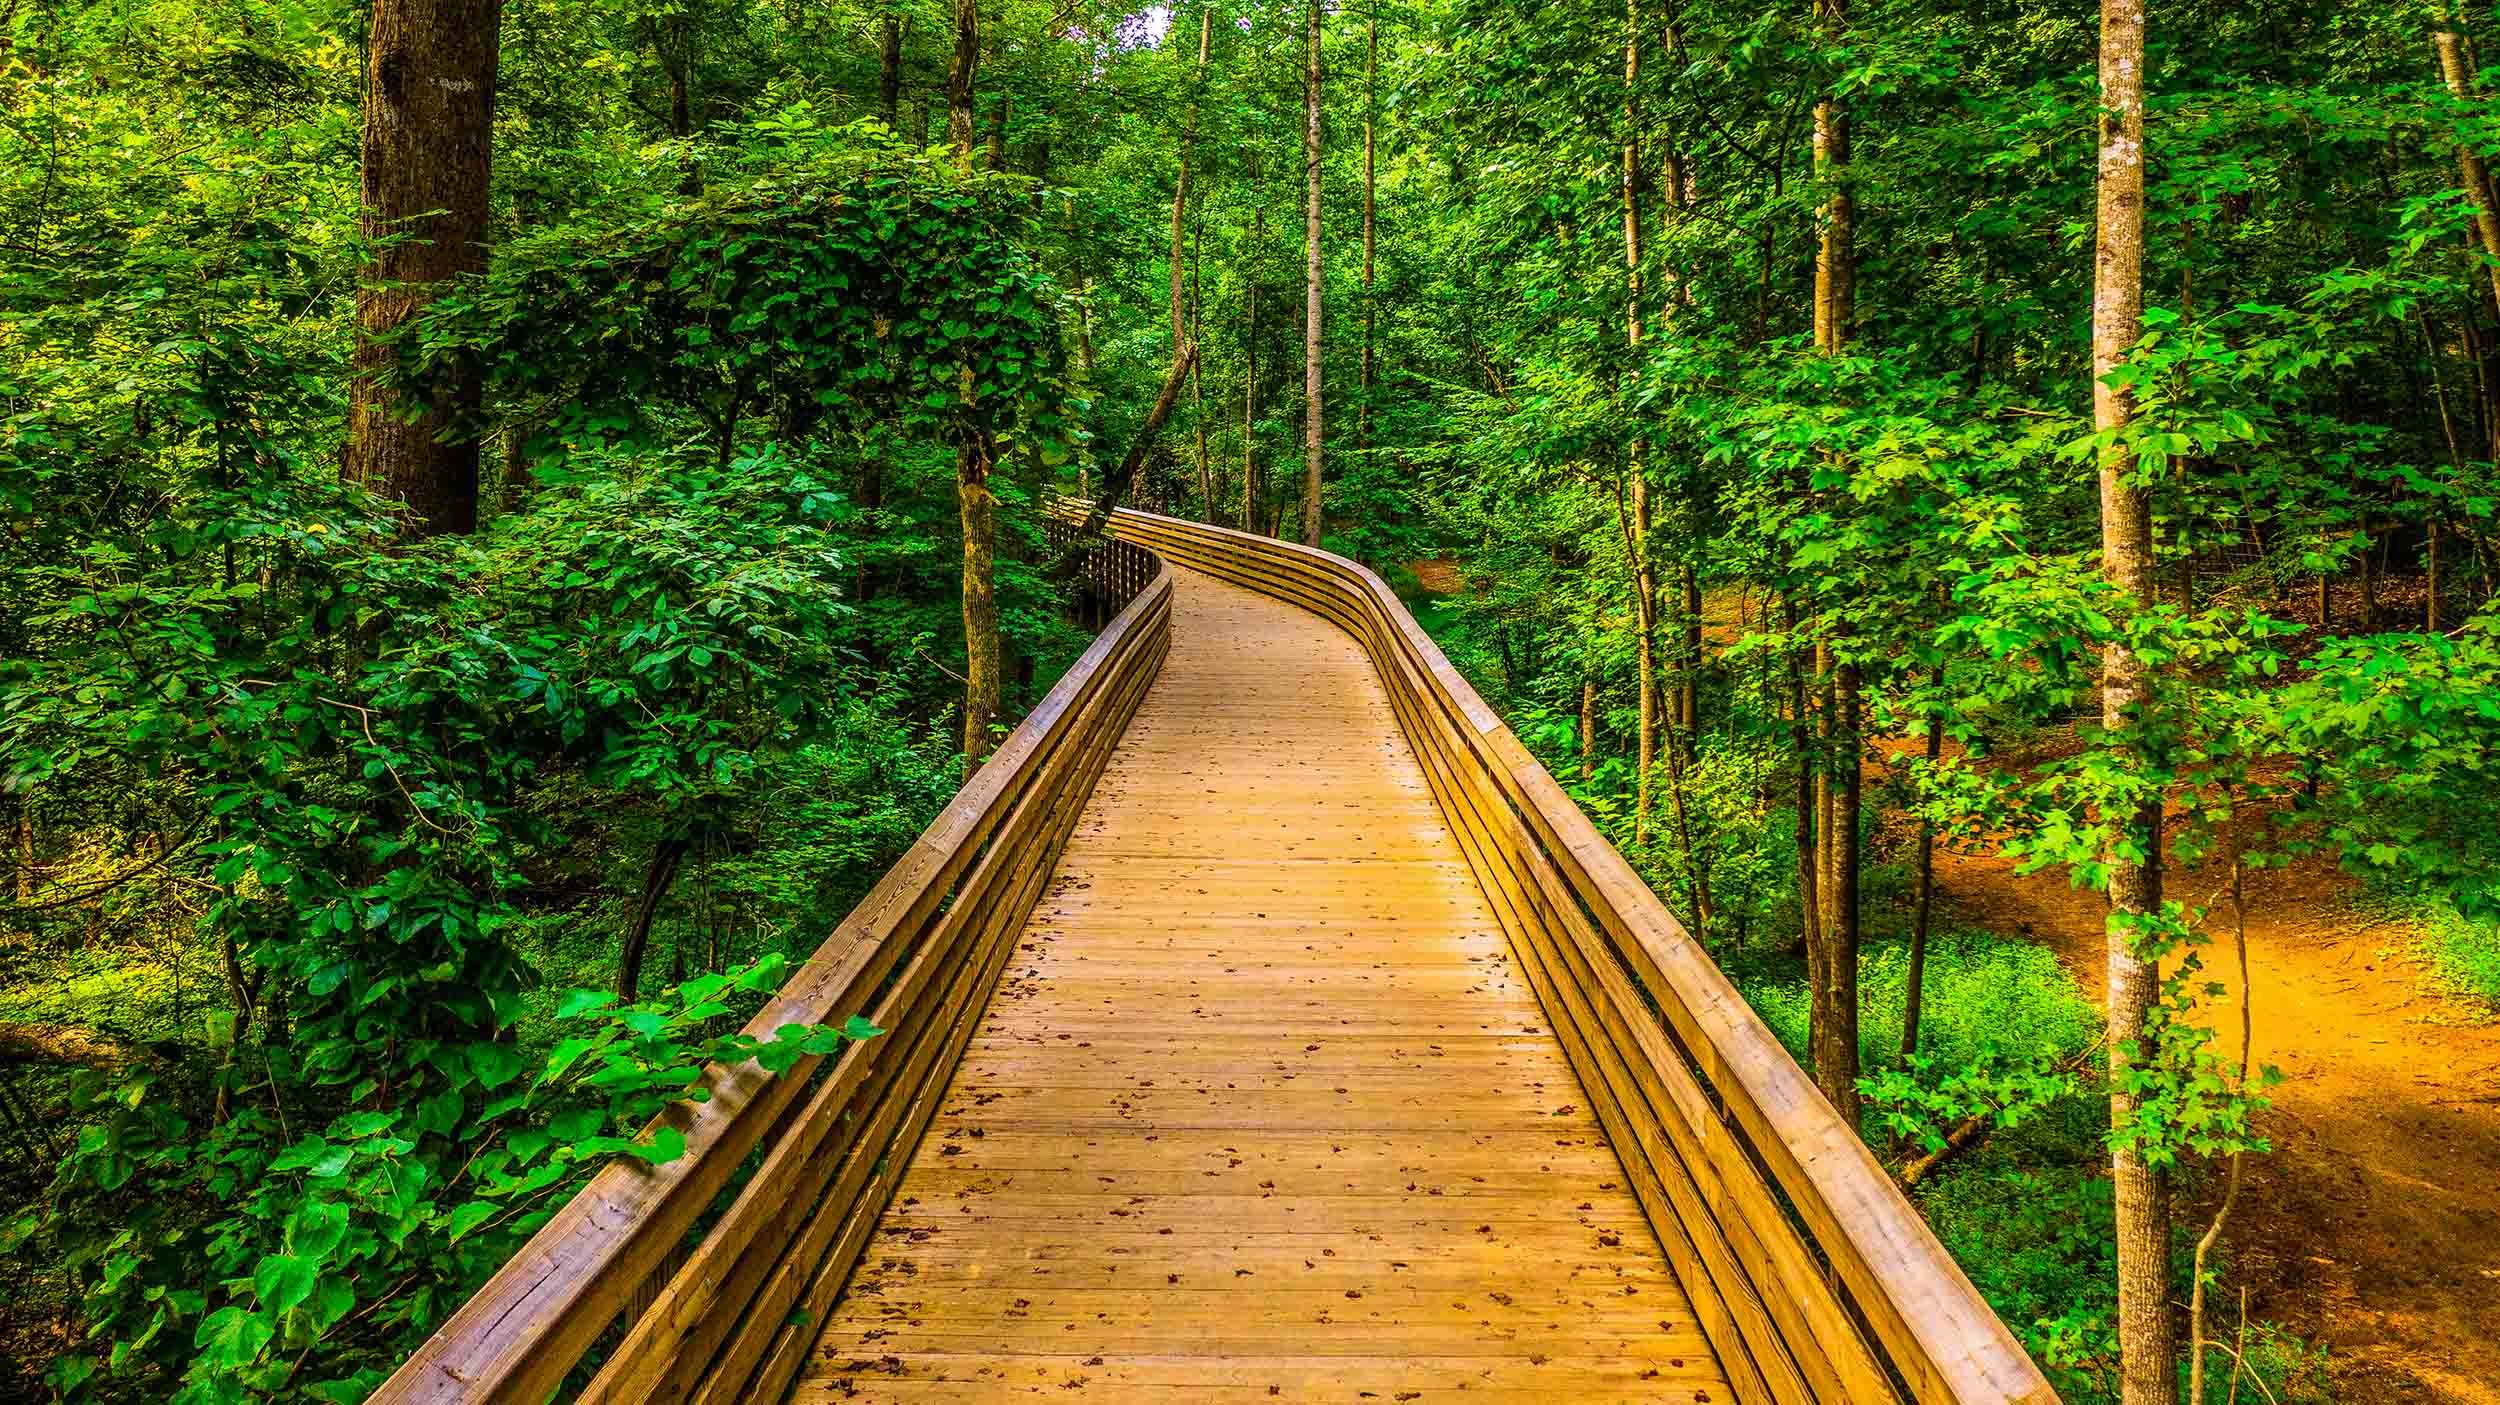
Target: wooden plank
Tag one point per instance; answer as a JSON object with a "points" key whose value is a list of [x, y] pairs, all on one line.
{"points": [[1935, 1330], [1273, 1055]]}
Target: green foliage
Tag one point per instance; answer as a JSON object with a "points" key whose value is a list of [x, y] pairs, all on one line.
{"points": [[2464, 952], [258, 1248]]}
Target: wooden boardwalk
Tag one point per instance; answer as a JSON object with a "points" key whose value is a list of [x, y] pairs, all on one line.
{"points": [[1263, 1109]]}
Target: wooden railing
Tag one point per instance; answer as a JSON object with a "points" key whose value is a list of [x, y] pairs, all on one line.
{"points": [[730, 1315], [1811, 1274]]}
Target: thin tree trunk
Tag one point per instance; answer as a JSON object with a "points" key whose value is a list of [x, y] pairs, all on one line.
{"points": [[2430, 576], [1801, 741], [429, 135], [1371, 109], [1197, 364], [1825, 822], [1180, 217], [2147, 1347], [890, 68], [1924, 909], [1688, 686], [1836, 1021], [2448, 41], [977, 506], [976, 503], [2369, 575], [666, 856], [1645, 620], [1250, 365], [1116, 483], [1312, 282], [1588, 728], [997, 151], [1636, 533]]}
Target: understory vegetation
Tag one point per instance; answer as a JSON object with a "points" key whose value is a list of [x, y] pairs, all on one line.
{"points": [[515, 514]]}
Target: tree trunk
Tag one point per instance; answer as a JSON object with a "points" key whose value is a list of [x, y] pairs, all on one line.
{"points": [[1116, 483], [2448, 41], [1835, 1018], [890, 69], [1801, 741], [1925, 906], [2430, 577], [2147, 1351], [429, 137], [977, 506], [2369, 576], [1371, 106], [1250, 364], [665, 860], [1180, 225], [1636, 533], [959, 79], [1826, 821], [1197, 364], [1311, 286], [997, 152], [1688, 688], [1588, 728], [1636, 529]]}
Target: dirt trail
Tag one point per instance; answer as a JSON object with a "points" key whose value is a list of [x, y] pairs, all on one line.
{"points": [[2374, 1227]]}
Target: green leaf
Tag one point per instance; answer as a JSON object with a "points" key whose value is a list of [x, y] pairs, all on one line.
{"points": [[282, 1281]]}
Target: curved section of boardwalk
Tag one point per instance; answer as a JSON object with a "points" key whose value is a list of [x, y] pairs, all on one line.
{"points": [[1262, 1109]]}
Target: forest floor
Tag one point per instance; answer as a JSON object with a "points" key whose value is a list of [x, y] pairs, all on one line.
{"points": [[2373, 1228]]}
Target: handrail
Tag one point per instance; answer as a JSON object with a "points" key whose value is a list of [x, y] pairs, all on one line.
{"points": [[1813, 1276], [729, 1316]]}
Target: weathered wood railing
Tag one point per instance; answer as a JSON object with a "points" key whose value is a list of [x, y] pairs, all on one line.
{"points": [[731, 1315], [1109, 572], [1811, 1274]]}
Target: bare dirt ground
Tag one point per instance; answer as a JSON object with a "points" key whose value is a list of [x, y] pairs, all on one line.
{"points": [[2374, 1227], [1438, 575]]}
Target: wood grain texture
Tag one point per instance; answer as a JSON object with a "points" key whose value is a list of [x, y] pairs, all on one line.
{"points": [[1811, 1274], [1263, 1107]]}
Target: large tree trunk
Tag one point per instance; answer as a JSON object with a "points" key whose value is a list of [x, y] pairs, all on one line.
{"points": [[1312, 419], [429, 138], [2147, 1351], [2448, 40], [959, 79]]}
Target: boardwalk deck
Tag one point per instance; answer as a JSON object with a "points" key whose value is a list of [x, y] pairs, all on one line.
{"points": [[1263, 1109]]}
